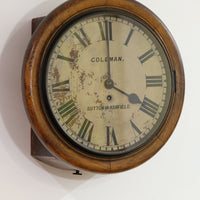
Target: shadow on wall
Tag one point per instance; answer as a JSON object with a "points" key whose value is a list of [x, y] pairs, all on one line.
{"points": [[11, 102]]}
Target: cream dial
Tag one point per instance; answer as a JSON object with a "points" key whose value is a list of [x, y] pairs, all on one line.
{"points": [[108, 83]]}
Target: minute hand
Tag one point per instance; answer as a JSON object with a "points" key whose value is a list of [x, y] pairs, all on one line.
{"points": [[133, 98], [108, 49]]}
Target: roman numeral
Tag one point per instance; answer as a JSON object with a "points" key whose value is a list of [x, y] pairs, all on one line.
{"points": [[68, 110], [146, 56], [86, 130], [149, 107], [111, 137], [65, 58], [61, 86], [135, 128], [107, 32], [129, 37], [153, 81], [83, 39]]}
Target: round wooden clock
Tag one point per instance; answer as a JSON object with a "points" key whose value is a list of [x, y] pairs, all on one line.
{"points": [[103, 84]]}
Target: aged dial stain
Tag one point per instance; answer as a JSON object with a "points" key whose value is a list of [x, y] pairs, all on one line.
{"points": [[108, 83]]}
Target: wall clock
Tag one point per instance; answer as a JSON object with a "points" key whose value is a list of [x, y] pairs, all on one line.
{"points": [[103, 85]]}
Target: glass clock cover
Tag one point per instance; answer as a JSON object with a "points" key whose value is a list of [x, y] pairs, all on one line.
{"points": [[108, 83]]}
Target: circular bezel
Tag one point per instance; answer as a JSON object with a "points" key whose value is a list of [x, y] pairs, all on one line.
{"points": [[39, 117], [46, 104]]}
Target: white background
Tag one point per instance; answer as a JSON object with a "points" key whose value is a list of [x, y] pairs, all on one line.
{"points": [[172, 174]]}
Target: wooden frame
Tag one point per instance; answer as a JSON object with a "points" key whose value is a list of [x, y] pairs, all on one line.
{"points": [[36, 112]]}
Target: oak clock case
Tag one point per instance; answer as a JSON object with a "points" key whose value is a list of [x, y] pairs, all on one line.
{"points": [[103, 85]]}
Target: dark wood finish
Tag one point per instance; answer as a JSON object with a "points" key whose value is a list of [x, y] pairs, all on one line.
{"points": [[36, 22], [38, 150], [36, 112]]}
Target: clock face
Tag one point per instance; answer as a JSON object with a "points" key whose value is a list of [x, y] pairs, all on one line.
{"points": [[108, 83]]}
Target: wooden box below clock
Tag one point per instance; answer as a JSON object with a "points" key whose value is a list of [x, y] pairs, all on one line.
{"points": [[39, 152]]}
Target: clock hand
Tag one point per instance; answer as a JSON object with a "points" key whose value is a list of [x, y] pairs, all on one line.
{"points": [[133, 98], [109, 84], [108, 49]]}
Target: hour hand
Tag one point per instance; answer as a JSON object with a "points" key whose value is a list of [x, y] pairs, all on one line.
{"points": [[133, 98]]}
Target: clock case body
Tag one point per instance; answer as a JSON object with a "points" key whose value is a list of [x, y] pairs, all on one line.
{"points": [[38, 149], [46, 143]]}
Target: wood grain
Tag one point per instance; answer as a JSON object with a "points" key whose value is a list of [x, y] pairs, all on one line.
{"points": [[31, 86]]}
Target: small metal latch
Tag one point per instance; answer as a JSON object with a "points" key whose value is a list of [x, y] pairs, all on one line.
{"points": [[77, 172]]}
